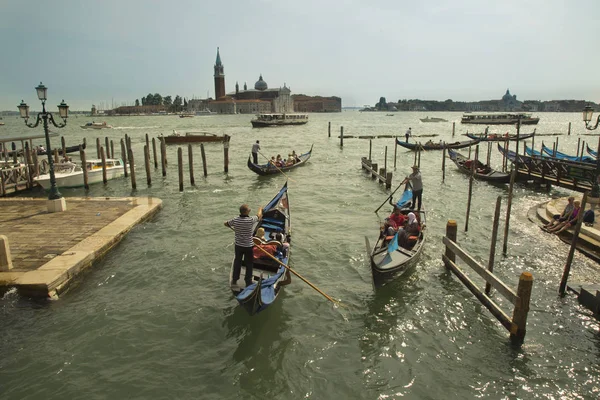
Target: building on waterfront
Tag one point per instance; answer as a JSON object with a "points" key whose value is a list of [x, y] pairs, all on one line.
{"points": [[304, 103]]}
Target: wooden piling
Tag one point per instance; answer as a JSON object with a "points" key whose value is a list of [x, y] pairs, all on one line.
{"points": [[124, 157], [226, 156], [388, 180], [203, 154], [567, 269], [395, 152], [107, 147], [191, 164], [489, 153], [453, 126], [329, 130], [103, 158], [341, 136], [97, 148], [569, 131], [84, 168], [513, 173], [488, 287], [451, 231], [471, 178], [154, 153], [370, 148], [112, 149], [385, 161], [578, 143], [374, 170], [444, 163], [522, 307], [518, 136], [180, 167], [147, 142], [147, 165], [64, 146], [132, 169], [163, 156]]}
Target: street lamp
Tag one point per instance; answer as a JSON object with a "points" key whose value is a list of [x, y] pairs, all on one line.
{"points": [[45, 116], [588, 112]]}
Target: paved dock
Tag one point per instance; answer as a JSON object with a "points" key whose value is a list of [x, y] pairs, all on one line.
{"points": [[49, 249]]}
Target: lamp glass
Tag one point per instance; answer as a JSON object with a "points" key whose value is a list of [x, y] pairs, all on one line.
{"points": [[41, 92], [63, 109], [23, 110], [587, 113]]}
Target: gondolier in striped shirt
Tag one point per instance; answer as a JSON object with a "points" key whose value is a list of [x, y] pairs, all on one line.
{"points": [[243, 226]]}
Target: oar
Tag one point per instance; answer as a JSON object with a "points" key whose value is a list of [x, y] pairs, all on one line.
{"points": [[299, 276], [390, 196], [276, 167]]}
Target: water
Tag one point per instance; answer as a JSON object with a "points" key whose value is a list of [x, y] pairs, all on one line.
{"points": [[155, 318]]}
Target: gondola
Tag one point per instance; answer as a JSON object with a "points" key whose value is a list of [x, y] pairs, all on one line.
{"points": [[69, 149], [388, 259], [268, 169], [482, 172], [498, 138], [590, 151], [436, 146], [268, 275], [548, 152]]}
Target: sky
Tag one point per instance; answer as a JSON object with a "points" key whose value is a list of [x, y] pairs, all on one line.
{"points": [[113, 52]]}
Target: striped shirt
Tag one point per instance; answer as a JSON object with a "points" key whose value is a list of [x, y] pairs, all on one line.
{"points": [[243, 230]]}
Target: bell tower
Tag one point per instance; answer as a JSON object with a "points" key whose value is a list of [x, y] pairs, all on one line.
{"points": [[219, 78]]}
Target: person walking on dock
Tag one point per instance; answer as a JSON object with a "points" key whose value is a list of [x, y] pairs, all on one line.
{"points": [[255, 150], [417, 187], [408, 134], [243, 226]]}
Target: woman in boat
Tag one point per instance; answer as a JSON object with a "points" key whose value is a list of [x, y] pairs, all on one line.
{"points": [[278, 161]]}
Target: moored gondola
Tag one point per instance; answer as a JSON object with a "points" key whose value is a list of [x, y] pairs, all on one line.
{"points": [[393, 255], [270, 169], [498, 138], [436, 146], [481, 171], [271, 253], [591, 152]]}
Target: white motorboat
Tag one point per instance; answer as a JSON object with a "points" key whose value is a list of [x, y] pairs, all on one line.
{"points": [[70, 175], [278, 119], [96, 125]]}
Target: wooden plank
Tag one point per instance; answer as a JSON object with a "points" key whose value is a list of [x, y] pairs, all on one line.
{"points": [[485, 300], [490, 278]]}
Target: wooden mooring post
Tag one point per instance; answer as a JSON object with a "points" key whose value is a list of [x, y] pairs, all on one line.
{"points": [[132, 169], [180, 167], [154, 153], [203, 155], [453, 127], [444, 163], [163, 157], [63, 146], [124, 157], [84, 167], [107, 146], [226, 156], [395, 152], [97, 148], [147, 165], [103, 158], [329, 129], [513, 174], [112, 149], [471, 179], [488, 287], [520, 300], [569, 131], [191, 165], [341, 136], [567, 269]]}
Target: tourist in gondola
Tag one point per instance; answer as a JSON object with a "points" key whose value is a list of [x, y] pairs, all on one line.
{"points": [[255, 150], [417, 187], [243, 226]]}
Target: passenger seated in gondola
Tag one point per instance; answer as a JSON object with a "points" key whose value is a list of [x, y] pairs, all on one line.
{"points": [[290, 160], [278, 161], [271, 162], [394, 222], [408, 236], [296, 158], [429, 142]]}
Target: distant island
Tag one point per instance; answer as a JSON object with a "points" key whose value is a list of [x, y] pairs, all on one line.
{"points": [[508, 102]]}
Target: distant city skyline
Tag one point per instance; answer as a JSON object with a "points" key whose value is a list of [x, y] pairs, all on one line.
{"points": [[115, 52]]}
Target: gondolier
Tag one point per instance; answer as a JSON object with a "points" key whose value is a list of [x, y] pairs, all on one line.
{"points": [[408, 134], [255, 150], [417, 187], [243, 225]]}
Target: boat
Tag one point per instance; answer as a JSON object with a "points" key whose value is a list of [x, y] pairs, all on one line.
{"points": [[498, 118], [96, 125], [42, 151], [269, 276], [387, 258], [548, 152], [482, 171], [498, 138], [591, 152], [389, 115], [434, 119], [194, 137], [270, 169], [186, 115], [278, 119], [70, 175], [436, 146]]}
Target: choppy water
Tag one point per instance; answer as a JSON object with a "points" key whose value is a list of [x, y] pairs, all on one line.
{"points": [[155, 318]]}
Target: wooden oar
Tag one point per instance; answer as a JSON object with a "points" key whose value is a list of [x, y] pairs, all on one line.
{"points": [[299, 276], [390, 196], [269, 160]]}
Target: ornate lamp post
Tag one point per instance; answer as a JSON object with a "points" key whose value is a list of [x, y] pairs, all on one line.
{"points": [[588, 112], [45, 116]]}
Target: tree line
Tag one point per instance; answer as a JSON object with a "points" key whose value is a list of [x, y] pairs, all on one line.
{"points": [[173, 105]]}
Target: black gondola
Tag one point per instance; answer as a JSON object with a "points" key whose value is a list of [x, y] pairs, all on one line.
{"points": [[498, 138], [269, 169], [268, 275], [436, 146], [482, 172]]}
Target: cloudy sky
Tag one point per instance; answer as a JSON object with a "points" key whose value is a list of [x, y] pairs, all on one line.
{"points": [[116, 51]]}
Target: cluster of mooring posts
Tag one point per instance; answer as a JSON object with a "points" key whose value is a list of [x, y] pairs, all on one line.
{"points": [[18, 169]]}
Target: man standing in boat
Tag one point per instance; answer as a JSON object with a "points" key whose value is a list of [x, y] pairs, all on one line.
{"points": [[408, 134], [255, 150], [417, 187], [243, 227]]}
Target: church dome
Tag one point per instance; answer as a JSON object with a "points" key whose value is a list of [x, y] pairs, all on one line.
{"points": [[260, 84]]}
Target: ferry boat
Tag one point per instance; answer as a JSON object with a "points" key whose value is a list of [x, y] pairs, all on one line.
{"points": [[70, 175], [498, 118], [96, 125], [433, 119], [278, 119]]}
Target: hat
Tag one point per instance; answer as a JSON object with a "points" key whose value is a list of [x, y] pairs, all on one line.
{"points": [[260, 232]]}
